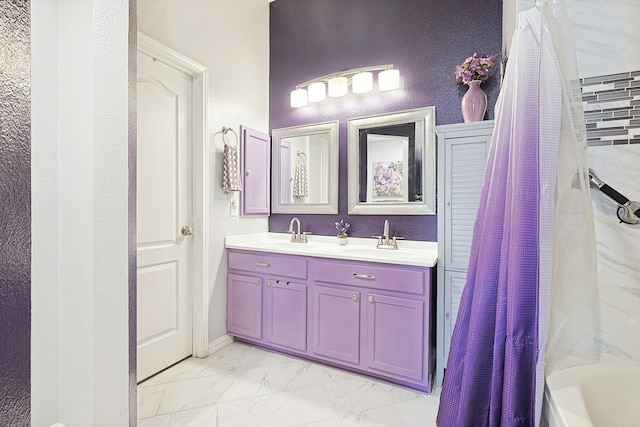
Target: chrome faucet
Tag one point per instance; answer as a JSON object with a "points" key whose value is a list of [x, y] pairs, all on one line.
{"points": [[297, 236], [385, 241], [385, 232]]}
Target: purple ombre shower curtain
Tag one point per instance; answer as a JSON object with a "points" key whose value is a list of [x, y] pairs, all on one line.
{"points": [[493, 372]]}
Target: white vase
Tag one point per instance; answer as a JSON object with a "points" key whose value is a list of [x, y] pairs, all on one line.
{"points": [[342, 240]]}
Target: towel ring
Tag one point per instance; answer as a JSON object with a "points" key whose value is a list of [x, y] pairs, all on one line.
{"points": [[302, 155], [224, 133]]}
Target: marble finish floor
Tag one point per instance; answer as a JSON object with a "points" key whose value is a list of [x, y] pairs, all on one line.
{"points": [[245, 386]]}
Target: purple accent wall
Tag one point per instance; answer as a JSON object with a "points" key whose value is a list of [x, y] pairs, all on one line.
{"points": [[424, 39], [15, 213]]}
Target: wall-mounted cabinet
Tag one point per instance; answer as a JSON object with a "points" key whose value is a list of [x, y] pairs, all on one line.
{"points": [[462, 155], [255, 169]]}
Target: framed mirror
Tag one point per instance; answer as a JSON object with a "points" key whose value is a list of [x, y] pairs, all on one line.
{"points": [[305, 169], [392, 163]]}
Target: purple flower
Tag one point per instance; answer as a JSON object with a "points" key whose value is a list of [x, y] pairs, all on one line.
{"points": [[475, 67], [382, 176], [342, 227]]}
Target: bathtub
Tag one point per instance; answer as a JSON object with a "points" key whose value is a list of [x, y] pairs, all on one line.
{"points": [[603, 394]]}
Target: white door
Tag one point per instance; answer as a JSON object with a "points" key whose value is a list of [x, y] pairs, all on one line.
{"points": [[163, 216]]}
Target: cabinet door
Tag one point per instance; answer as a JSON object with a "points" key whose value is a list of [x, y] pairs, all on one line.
{"points": [[286, 314], [395, 336], [453, 285], [465, 163], [335, 324], [244, 306], [255, 195]]}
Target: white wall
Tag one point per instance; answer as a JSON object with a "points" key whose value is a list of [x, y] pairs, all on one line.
{"points": [[230, 38], [605, 33], [44, 212], [607, 39], [80, 288], [618, 246]]}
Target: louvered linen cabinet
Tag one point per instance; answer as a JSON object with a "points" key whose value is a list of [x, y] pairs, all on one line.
{"points": [[462, 156]]}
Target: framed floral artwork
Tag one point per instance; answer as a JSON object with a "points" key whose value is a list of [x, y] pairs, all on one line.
{"points": [[388, 179]]}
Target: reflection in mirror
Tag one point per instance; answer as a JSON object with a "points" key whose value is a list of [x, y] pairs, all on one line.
{"points": [[392, 163], [305, 170]]}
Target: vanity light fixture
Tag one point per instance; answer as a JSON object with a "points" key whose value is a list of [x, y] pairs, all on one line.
{"points": [[360, 79]]}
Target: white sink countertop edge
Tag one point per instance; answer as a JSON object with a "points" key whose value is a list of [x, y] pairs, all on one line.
{"points": [[410, 252]]}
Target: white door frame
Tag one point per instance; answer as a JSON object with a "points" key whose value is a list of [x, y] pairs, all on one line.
{"points": [[200, 154]]}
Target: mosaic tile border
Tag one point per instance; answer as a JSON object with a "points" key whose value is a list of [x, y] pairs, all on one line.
{"points": [[612, 108]]}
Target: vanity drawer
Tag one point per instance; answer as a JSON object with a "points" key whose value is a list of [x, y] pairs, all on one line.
{"points": [[260, 262], [370, 275]]}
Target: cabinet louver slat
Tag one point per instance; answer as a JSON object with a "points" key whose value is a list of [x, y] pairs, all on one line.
{"points": [[466, 166]]}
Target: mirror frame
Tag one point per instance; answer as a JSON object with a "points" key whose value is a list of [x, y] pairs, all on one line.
{"points": [[428, 205], [332, 128]]}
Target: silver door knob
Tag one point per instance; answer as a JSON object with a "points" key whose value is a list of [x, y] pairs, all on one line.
{"points": [[187, 231]]}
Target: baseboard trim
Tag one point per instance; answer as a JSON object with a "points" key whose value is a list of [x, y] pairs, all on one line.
{"points": [[220, 343]]}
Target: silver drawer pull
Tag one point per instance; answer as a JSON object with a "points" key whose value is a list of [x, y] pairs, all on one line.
{"points": [[354, 297], [263, 264], [371, 298], [364, 276]]}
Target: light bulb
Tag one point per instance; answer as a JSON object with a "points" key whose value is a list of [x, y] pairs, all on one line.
{"points": [[298, 98], [389, 80], [362, 82], [317, 92], [338, 86]]}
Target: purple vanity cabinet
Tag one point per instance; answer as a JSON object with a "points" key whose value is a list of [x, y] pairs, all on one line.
{"points": [[371, 318], [335, 324], [395, 336], [276, 305], [244, 302], [395, 323], [286, 314]]}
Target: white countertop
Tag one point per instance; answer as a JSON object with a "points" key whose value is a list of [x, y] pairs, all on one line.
{"points": [[410, 252]]}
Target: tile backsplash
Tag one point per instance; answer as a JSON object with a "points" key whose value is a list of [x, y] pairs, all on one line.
{"points": [[612, 108]]}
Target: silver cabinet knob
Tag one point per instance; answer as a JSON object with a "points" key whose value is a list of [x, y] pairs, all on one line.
{"points": [[248, 172], [257, 282], [371, 298], [268, 284], [354, 297], [187, 231]]}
